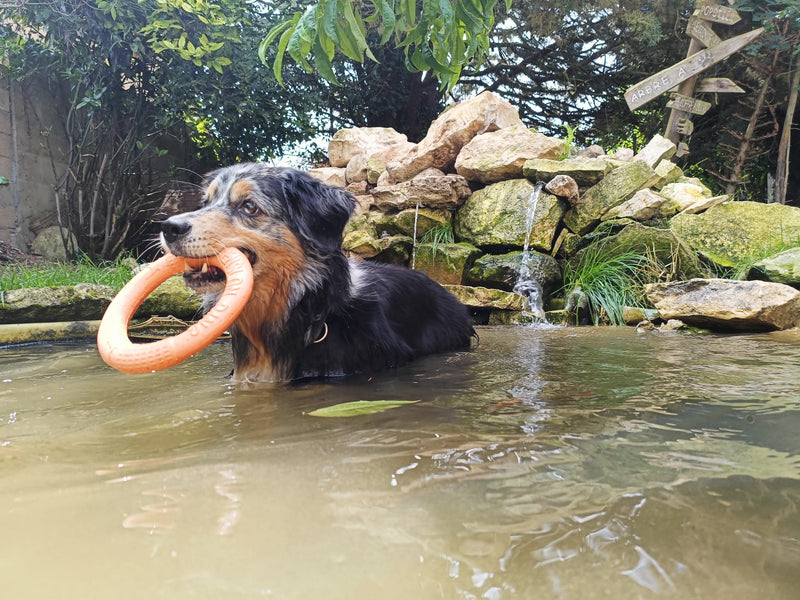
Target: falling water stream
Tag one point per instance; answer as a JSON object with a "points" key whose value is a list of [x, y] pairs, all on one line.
{"points": [[527, 285], [414, 242]]}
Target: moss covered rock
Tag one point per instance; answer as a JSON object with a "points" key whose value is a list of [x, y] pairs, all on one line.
{"points": [[446, 263], [738, 233], [617, 187], [496, 216], [482, 297], [502, 271], [783, 267]]}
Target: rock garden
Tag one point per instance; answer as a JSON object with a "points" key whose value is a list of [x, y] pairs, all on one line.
{"points": [[522, 227]]}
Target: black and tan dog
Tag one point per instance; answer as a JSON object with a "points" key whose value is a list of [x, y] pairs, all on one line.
{"points": [[313, 312]]}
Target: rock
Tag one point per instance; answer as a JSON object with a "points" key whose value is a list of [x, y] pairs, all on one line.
{"points": [[705, 204], [623, 154], [496, 216], [585, 171], [427, 219], [735, 233], [330, 175], [50, 244], [394, 249], [356, 170], [502, 271], [728, 304], [565, 187], [172, 298], [27, 333], [82, 302], [481, 297], [666, 172], [617, 187], [445, 192], [592, 151], [347, 143], [362, 243], [642, 206], [446, 263], [783, 267], [656, 150], [661, 244], [499, 155], [451, 131], [680, 196]]}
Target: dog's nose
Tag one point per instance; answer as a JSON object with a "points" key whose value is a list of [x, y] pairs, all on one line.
{"points": [[173, 229]]}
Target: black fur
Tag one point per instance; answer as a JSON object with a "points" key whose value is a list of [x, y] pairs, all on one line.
{"points": [[372, 316]]}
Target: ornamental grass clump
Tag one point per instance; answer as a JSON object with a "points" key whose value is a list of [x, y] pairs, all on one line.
{"points": [[606, 279]]}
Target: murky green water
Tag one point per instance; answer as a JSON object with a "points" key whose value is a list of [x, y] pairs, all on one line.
{"points": [[556, 463]]}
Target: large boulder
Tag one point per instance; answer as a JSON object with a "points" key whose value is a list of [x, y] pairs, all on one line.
{"points": [[737, 233], [496, 216], [451, 131], [783, 267], [500, 154], [728, 304], [585, 171], [502, 271], [445, 263], [348, 143], [433, 191], [617, 187]]}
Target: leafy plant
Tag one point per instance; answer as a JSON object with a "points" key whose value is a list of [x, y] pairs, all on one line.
{"points": [[610, 279], [438, 235]]}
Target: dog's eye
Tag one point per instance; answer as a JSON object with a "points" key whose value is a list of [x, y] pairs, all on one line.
{"points": [[249, 208]]}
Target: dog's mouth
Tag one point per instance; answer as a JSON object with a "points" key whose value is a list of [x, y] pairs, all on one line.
{"points": [[208, 276]]}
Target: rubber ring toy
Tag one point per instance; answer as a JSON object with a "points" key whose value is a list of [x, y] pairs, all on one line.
{"points": [[113, 342]]}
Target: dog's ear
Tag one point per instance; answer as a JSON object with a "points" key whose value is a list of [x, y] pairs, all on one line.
{"points": [[318, 211]]}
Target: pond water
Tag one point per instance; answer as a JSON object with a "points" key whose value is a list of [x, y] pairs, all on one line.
{"points": [[546, 463]]}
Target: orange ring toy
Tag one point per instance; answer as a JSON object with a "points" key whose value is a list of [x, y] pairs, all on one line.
{"points": [[116, 347]]}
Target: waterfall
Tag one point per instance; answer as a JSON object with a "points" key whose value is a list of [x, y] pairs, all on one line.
{"points": [[414, 242], [526, 285]]}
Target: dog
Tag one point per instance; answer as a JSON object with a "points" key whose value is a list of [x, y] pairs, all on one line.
{"points": [[313, 311]]}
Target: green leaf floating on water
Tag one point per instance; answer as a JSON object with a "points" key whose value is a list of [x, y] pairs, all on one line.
{"points": [[360, 407]]}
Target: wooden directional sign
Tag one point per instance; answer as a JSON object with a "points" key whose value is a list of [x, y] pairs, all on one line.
{"points": [[655, 85], [702, 32], [688, 104], [711, 11], [717, 85]]}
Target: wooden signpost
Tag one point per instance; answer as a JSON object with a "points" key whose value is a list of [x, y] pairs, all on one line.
{"points": [[705, 49]]}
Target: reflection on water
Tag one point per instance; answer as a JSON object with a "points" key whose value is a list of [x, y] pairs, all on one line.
{"points": [[546, 463]]}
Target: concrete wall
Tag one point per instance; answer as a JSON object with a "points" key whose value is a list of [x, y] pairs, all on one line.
{"points": [[33, 149]]}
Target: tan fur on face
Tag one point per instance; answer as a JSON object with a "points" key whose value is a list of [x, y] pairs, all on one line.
{"points": [[280, 260]]}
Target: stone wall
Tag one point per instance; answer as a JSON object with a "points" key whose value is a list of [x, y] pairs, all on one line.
{"points": [[32, 151]]}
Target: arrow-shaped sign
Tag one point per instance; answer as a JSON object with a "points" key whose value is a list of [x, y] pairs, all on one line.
{"points": [[718, 14], [717, 85], [655, 85], [689, 104], [702, 32]]}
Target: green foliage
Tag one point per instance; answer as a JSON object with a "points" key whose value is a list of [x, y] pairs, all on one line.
{"points": [[610, 278], [439, 37], [115, 274], [439, 235]]}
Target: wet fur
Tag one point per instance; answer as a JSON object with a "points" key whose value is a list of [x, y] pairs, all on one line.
{"points": [[372, 315]]}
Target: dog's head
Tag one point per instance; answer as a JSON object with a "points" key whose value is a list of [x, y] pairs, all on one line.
{"points": [[281, 218]]}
